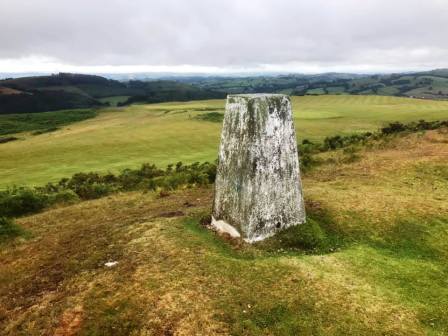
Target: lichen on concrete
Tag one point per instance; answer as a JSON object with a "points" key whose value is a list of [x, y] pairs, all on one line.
{"points": [[258, 189]]}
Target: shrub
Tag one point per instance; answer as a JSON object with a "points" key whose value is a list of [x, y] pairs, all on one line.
{"points": [[64, 196], [394, 127], [21, 201], [307, 161], [94, 190], [8, 229]]}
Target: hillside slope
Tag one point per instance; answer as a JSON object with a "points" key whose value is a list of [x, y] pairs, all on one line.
{"points": [[69, 91], [56, 92], [370, 265], [188, 132]]}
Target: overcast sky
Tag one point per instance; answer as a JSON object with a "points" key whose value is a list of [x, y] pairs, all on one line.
{"points": [[223, 35]]}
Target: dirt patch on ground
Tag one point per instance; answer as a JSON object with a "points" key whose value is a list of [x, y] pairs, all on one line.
{"points": [[70, 322]]}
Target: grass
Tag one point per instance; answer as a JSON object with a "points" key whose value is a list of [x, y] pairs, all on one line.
{"points": [[160, 133], [376, 265], [41, 122]]}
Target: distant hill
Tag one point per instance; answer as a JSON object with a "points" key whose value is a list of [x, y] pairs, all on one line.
{"points": [[70, 91], [40, 101], [168, 90], [55, 92], [430, 84]]}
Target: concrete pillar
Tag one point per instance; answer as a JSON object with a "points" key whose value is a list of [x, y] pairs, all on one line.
{"points": [[257, 190]]}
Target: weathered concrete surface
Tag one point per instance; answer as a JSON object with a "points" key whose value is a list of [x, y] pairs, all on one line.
{"points": [[257, 190]]}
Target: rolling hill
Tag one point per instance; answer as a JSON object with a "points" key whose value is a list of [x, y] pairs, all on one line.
{"points": [[430, 84], [71, 91], [165, 133]]}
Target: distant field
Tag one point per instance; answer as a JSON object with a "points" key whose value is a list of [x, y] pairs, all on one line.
{"points": [[166, 133]]}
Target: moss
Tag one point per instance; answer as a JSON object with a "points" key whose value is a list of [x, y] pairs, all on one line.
{"points": [[316, 236]]}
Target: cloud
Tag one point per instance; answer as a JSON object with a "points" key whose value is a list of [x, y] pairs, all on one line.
{"points": [[281, 35]]}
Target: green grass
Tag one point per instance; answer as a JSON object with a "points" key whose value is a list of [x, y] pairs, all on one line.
{"points": [[168, 132], [41, 122]]}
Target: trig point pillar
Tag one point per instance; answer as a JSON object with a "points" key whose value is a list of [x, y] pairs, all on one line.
{"points": [[257, 190]]}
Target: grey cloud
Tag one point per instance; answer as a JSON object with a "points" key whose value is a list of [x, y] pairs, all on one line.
{"points": [[227, 33]]}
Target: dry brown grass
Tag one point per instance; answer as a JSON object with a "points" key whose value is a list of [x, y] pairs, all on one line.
{"points": [[383, 186], [175, 278]]}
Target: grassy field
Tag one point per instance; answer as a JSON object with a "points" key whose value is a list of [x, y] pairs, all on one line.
{"points": [[170, 132], [371, 265]]}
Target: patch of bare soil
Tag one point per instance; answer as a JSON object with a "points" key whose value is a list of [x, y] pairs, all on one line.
{"points": [[70, 322]]}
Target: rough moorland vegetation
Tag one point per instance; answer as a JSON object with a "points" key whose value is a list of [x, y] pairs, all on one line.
{"points": [[18, 201], [307, 148], [371, 259]]}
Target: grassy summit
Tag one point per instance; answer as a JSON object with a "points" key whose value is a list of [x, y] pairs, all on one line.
{"points": [[371, 259], [169, 132]]}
